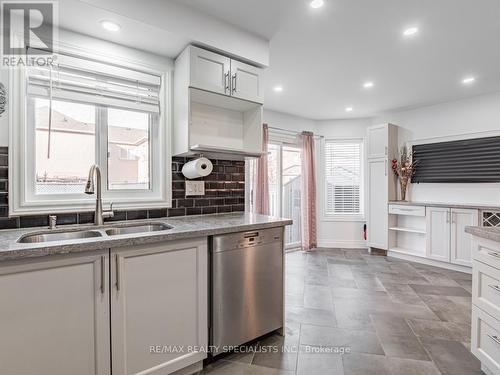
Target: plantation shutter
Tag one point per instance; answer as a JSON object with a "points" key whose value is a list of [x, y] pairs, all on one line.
{"points": [[343, 177], [87, 81]]}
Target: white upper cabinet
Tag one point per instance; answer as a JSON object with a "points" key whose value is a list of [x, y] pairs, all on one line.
{"points": [[217, 106], [246, 82], [438, 233], [213, 72], [378, 141], [209, 71]]}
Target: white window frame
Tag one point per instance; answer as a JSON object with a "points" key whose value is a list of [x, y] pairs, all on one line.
{"points": [[22, 199], [361, 217]]}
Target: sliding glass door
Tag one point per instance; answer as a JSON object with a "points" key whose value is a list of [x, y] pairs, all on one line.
{"points": [[284, 165]]}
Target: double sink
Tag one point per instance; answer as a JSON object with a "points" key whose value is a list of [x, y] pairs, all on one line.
{"points": [[75, 234]]}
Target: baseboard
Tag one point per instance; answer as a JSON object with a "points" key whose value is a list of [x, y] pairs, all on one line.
{"points": [[430, 262], [345, 244]]}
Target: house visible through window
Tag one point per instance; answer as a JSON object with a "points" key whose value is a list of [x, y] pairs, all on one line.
{"points": [[343, 177], [81, 112]]}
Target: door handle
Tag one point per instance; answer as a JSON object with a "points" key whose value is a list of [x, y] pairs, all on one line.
{"points": [[103, 285], [495, 338], [494, 254], [233, 83], [226, 83], [117, 265], [495, 287]]}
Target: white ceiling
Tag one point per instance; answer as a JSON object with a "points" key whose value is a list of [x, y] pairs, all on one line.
{"points": [[321, 57]]}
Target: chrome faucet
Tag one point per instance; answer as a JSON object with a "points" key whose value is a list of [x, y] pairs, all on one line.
{"points": [[99, 215]]}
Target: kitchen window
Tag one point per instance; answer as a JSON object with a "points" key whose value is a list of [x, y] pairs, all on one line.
{"points": [[81, 112], [343, 179]]}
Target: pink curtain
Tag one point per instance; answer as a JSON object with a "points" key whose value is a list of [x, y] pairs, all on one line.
{"points": [[261, 182], [308, 193]]}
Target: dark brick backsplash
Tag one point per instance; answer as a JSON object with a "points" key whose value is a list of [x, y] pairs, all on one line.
{"points": [[224, 193]]}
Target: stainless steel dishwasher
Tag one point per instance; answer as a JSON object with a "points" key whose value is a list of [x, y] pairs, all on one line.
{"points": [[246, 287]]}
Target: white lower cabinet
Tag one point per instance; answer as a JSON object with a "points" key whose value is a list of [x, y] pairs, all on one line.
{"points": [[54, 316], [446, 237], [146, 305], [158, 299], [377, 214], [438, 233]]}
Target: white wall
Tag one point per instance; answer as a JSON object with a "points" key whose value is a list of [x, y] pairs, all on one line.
{"points": [[478, 116], [97, 47], [346, 234], [289, 122]]}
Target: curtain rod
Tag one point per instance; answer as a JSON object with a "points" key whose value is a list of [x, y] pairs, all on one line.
{"points": [[292, 132]]}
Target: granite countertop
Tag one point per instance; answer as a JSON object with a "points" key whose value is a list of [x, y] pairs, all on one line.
{"points": [[182, 228], [450, 205], [490, 233]]}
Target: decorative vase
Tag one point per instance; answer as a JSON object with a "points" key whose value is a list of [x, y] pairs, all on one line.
{"points": [[403, 182]]}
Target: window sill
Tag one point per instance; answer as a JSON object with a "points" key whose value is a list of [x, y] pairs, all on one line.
{"points": [[344, 218]]}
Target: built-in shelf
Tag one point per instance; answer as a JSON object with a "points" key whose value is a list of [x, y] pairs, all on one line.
{"points": [[413, 252], [408, 230]]}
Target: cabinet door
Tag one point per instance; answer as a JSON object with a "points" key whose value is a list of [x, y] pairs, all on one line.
{"points": [[378, 206], [246, 82], [54, 316], [158, 307], [438, 233], [461, 242], [210, 71], [378, 141]]}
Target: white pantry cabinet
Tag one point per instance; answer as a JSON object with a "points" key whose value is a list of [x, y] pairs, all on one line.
{"points": [[159, 298], [382, 146], [54, 315]]}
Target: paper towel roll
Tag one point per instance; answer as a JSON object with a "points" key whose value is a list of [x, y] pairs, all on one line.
{"points": [[197, 168]]}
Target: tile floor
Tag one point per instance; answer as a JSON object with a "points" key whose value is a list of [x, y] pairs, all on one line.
{"points": [[394, 317]]}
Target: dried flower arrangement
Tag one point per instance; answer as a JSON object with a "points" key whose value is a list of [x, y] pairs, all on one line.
{"points": [[404, 169]]}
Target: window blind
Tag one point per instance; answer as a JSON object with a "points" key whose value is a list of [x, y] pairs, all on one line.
{"points": [[82, 80], [343, 177]]}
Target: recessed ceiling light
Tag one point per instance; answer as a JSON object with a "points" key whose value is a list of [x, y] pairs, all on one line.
{"points": [[110, 26], [368, 85], [468, 80], [410, 31], [278, 88], [317, 3], [348, 109]]}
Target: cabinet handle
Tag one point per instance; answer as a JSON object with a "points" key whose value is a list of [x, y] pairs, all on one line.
{"points": [[103, 260], [385, 170], [495, 338], [226, 83], [234, 82], [493, 254], [386, 150], [495, 287], [117, 264], [448, 217]]}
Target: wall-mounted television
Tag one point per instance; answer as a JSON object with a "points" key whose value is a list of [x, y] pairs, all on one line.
{"points": [[464, 161]]}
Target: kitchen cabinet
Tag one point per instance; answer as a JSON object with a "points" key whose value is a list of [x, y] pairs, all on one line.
{"points": [[209, 71], [246, 82], [214, 72], [136, 310], [461, 242], [54, 315], [381, 143], [377, 214], [438, 233], [158, 297], [217, 106]]}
